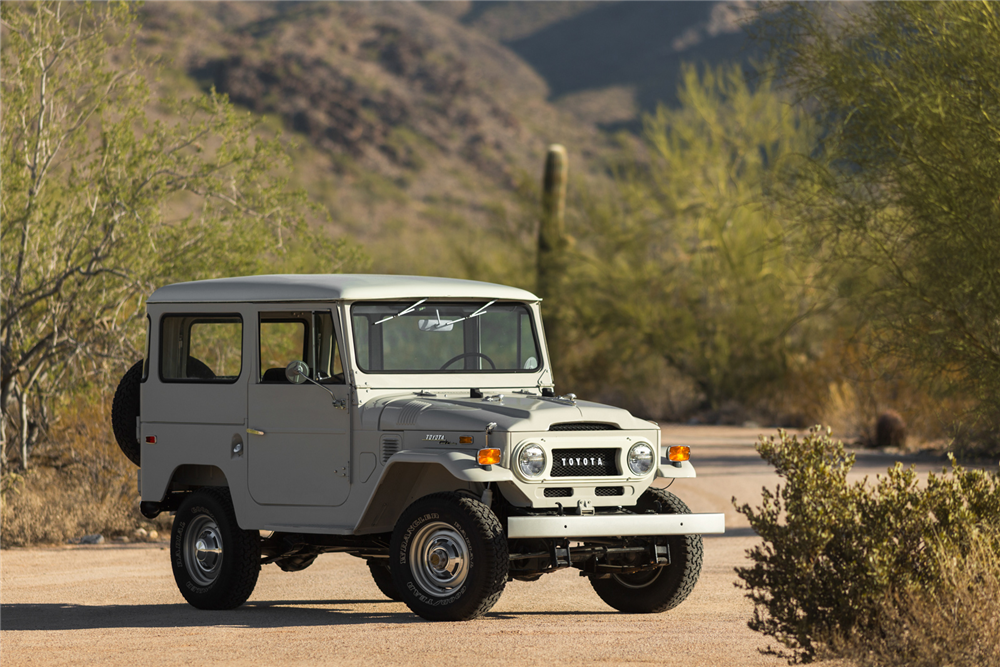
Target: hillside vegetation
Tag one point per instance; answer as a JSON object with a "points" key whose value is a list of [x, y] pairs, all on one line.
{"points": [[412, 130]]}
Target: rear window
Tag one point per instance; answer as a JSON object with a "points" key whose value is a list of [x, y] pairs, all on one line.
{"points": [[200, 348]]}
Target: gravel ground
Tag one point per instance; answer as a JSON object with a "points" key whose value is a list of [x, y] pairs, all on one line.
{"points": [[118, 605]]}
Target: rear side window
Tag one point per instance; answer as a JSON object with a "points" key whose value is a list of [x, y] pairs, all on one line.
{"points": [[200, 348]]}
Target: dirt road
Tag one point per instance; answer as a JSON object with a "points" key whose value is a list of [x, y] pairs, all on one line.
{"points": [[118, 605]]}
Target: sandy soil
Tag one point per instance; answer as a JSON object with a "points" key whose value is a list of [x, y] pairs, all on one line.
{"points": [[118, 605]]}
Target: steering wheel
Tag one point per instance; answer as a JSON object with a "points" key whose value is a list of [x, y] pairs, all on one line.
{"points": [[468, 354]]}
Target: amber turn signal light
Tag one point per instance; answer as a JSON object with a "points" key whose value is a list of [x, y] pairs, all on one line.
{"points": [[488, 457], [679, 453], [465, 440]]}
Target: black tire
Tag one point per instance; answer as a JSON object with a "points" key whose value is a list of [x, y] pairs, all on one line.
{"points": [[468, 535], [383, 579], [125, 410], [213, 580], [665, 587]]}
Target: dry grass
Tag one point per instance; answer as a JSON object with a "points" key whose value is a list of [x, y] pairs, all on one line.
{"points": [[80, 483], [957, 624]]}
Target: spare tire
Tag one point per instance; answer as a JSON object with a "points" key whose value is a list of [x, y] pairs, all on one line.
{"points": [[125, 411]]}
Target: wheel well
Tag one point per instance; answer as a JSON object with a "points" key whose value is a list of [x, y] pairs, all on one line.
{"points": [[194, 476], [401, 485], [188, 477]]}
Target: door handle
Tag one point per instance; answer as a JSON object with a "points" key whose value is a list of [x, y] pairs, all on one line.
{"points": [[253, 431]]}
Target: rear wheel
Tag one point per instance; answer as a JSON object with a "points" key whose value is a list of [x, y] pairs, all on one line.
{"points": [[662, 588], [448, 557], [382, 576], [215, 562]]}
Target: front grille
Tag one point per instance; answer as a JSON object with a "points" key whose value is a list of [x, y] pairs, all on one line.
{"points": [[558, 493], [583, 426], [609, 491], [584, 462]]}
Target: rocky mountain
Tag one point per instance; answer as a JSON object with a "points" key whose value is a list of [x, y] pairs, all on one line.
{"points": [[608, 62], [418, 124]]}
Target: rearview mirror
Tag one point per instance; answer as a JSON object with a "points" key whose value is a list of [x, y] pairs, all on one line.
{"points": [[435, 325]]}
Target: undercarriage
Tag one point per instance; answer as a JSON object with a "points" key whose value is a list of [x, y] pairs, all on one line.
{"points": [[528, 558]]}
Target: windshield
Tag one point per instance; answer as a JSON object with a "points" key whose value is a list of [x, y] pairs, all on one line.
{"points": [[422, 336]]}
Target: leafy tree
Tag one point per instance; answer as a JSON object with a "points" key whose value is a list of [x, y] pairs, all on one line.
{"points": [[905, 191], [687, 262], [101, 204]]}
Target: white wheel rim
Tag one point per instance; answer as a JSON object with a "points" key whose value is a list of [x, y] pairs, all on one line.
{"points": [[439, 559]]}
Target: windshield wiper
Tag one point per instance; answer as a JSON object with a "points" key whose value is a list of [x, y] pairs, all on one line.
{"points": [[402, 312], [468, 317]]}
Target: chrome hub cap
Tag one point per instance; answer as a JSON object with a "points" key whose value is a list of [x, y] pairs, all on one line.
{"points": [[203, 550], [439, 559]]}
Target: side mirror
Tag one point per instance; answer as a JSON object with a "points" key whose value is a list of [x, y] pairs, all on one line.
{"points": [[297, 372]]}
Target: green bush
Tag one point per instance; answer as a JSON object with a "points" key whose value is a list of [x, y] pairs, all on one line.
{"points": [[833, 552]]}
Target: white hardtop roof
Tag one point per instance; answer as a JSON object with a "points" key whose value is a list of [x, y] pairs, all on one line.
{"points": [[332, 287]]}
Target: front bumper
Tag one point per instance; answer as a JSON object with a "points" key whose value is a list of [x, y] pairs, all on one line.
{"points": [[614, 525]]}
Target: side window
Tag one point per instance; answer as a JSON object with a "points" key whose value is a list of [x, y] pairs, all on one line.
{"points": [[282, 340], [307, 336], [201, 348]]}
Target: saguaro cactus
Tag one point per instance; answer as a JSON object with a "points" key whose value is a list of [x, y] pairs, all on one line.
{"points": [[552, 243]]}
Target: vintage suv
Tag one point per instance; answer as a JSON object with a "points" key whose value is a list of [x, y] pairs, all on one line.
{"points": [[409, 421]]}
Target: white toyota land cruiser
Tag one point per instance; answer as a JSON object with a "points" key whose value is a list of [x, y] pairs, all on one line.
{"points": [[409, 421]]}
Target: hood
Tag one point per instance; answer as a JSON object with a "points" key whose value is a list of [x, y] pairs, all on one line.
{"points": [[512, 413]]}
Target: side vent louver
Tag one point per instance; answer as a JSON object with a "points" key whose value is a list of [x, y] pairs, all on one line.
{"points": [[390, 445]]}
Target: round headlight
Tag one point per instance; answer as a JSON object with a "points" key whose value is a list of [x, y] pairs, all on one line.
{"points": [[531, 461], [640, 458]]}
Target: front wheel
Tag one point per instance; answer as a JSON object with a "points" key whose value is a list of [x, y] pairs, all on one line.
{"points": [[664, 587], [215, 562], [448, 557]]}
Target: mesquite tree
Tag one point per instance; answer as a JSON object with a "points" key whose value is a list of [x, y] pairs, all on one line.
{"points": [[101, 204], [904, 193]]}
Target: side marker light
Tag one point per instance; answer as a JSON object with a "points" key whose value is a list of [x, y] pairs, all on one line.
{"points": [[679, 453]]}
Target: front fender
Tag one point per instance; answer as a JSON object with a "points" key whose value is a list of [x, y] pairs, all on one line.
{"points": [[410, 475], [462, 465]]}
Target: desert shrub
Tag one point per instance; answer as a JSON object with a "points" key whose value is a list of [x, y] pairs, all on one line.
{"points": [[832, 551], [82, 483], [955, 623]]}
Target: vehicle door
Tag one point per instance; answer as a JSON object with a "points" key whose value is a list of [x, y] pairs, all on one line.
{"points": [[299, 436], [194, 400]]}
